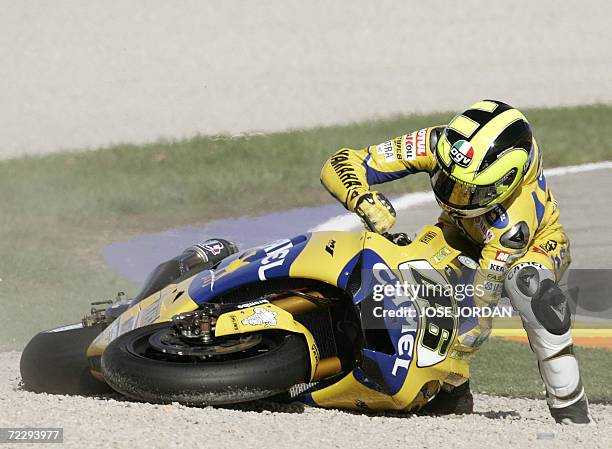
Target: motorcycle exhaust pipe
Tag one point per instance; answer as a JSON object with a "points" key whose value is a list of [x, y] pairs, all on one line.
{"points": [[327, 367]]}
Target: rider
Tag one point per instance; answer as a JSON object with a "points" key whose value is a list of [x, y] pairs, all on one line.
{"points": [[487, 175]]}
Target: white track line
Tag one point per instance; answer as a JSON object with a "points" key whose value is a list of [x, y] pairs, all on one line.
{"points": [[349, 221]]}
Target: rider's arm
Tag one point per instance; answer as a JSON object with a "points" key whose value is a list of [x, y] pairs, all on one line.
{"points": [[348, 174]]}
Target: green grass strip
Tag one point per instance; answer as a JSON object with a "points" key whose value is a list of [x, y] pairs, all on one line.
{"points": [[60, 210], [509, 368]]}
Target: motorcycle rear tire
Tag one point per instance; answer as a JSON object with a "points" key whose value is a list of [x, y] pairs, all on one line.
{"points": [[131, 367], [55, 362]]}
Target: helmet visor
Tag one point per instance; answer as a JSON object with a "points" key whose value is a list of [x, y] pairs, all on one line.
{"points": [[462, 196]]}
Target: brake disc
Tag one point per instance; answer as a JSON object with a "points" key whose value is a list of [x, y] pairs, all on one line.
{"points": [[168, 342]]}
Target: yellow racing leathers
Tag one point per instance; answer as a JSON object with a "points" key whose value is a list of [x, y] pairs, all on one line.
{"points": [[520, 245]]}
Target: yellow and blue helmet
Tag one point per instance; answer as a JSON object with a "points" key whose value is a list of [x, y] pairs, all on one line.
{"points": [[481, 158]]}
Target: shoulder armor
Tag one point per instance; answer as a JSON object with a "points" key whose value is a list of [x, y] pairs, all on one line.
{"points": [[517, 237]]}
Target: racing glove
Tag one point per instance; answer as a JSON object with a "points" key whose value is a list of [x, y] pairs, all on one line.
{"points": [[375, 210]]}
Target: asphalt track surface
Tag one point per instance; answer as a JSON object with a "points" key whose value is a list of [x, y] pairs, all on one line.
{"points": [[585, 211], [498, 422], [83, 74]]}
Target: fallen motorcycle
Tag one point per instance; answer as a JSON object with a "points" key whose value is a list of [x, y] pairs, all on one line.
{"points": [[307, 318]]}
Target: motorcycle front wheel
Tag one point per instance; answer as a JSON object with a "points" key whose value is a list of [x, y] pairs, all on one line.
{"points": [[151, 364]]}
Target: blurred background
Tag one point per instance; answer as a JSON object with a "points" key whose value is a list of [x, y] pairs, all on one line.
{"points": [[79, 75], [120, 120]]}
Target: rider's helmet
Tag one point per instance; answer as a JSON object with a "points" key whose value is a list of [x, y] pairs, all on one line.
{"points": [[481, 158]]}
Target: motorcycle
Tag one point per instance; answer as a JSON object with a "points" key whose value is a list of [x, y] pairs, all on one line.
{"points": [[309, 319]]}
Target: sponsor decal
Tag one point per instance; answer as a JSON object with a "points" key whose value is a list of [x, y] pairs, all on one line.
{"points": [[497, 267], [215, 247], [410, 147], [149, 314], [549, 246], [343, 169], [495, 277], [114, 331], [462, 153], [441, 254], [331, 245], [498, 217], [515, 269], [234, 322], [260, 317], [428, 237], [538, 250], [468, 262], [421, 148], [502, 256], [276, 254], [387, 150], [127, 325], [252, 303], [493, 286]]}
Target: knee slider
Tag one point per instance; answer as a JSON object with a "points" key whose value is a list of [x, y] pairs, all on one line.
{"points": [[534, 293], [551, 309], [522, 284]]}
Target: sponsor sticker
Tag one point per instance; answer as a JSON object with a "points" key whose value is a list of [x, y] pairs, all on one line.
{"points": [[149, 314], [492, 286], [462, 153], [549, 246], [386, 149], [502, 256], [468, 262], [215, 247], [261, 316], [421, 148], [496, 267], [252, 303], [409, 147], [441, 254], [428, 237], [498, 217], [520, 266]]}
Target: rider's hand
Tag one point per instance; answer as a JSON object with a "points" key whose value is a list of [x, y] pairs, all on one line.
{"points": [[375, 211]]}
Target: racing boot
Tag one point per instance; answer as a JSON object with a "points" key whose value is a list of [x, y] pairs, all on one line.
{"points": [[576, 413]]}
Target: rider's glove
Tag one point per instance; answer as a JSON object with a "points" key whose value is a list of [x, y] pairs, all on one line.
{"points": [[375, 211]]}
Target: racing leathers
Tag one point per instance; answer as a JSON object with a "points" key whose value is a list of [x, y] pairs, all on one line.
{"points": [[520, 245]]}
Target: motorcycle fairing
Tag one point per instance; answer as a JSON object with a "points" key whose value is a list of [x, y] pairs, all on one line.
{"points": [[329, 257], [324, 256], [266, 317], [394, 380], [305, 256]]}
